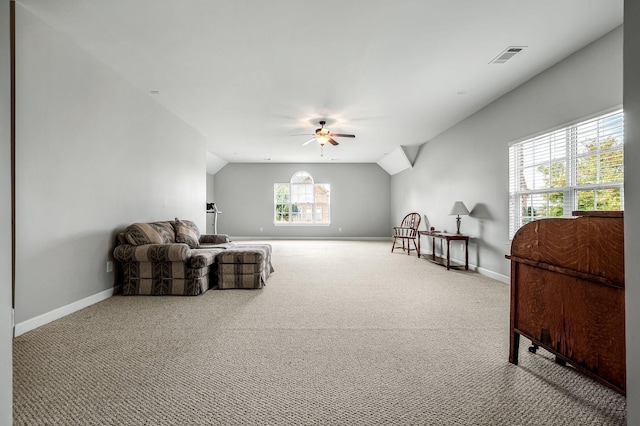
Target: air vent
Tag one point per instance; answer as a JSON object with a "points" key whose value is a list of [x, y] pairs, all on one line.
{"points": [[507, 54]]}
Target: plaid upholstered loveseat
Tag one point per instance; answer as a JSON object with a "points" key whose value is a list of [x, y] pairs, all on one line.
{"points": [[171, 257]]}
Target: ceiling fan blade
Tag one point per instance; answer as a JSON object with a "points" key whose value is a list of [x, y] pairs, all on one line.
{"points": [[333, 142], [309, 141], [342, 135]]}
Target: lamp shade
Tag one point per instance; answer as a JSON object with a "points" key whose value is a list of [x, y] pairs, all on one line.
{"points": [[459, 209]]}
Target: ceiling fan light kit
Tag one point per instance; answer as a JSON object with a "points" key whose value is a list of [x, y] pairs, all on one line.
{"points": [[322, 136]]}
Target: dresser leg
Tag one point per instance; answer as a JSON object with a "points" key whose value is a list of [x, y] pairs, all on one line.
{"points": [[513, 348]]}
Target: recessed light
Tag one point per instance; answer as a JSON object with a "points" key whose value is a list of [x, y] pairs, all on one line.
{"points": [[155, 92], [462, 92]]}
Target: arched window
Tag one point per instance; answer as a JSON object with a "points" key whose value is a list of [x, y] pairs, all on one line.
{"points": [[301, 201]]}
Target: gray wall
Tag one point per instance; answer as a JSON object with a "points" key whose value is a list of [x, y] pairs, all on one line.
{"points": [[469, 162], [632, 203], [6, 330], [360, 197], [94, 154]]}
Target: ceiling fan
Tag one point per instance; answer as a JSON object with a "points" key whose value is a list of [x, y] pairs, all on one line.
{"points": [[323, 136]]}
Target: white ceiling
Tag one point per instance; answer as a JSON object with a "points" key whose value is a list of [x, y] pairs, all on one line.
{"points": [[249, 74]]}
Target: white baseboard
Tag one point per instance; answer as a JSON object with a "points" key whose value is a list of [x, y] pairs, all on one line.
{"points": [[496, 276], [264, 238], [483, 271], [48, 317]]}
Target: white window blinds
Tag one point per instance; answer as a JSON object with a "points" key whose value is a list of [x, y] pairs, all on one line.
{"points": [[577, 167]]}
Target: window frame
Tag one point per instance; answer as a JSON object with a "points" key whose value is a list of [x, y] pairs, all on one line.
{"points": [[304, 184], [570, 161]]}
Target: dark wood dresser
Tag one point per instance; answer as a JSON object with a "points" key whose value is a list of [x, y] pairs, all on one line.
{"points": [[567, 293]]}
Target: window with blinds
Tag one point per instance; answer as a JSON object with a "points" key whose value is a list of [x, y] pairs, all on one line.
{"points": [[577, 167]]}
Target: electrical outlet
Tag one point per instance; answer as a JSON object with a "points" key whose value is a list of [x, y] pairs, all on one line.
{"points": [[261, 229], [339, 229], [109, 266]]}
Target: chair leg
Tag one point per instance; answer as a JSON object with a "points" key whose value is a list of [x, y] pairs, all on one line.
{"points": [[406, 245]]}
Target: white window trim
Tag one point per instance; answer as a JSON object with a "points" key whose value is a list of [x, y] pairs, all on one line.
{"points": [[314, 205], [294, 224]]}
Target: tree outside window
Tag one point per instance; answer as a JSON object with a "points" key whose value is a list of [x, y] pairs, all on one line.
{"points": [[579, 167]]}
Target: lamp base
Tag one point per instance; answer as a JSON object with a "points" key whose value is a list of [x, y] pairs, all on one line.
{"points": [[458, 224]]}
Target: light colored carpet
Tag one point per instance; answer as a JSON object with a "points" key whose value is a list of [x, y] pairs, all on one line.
{"points": [[344, 333]]}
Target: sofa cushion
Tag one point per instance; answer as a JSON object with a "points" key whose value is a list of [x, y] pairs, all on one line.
{"points": [[166, 231], [201, 258], [152, 253], [144, 233], [187, 232], [241, 255], [214, 239]]}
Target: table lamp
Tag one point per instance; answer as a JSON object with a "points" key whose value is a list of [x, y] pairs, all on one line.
{"points": [[458, 209]]}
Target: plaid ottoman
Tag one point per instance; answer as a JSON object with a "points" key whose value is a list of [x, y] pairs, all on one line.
{"points": [[244, 266]]}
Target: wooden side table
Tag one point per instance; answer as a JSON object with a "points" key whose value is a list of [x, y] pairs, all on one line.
{"points": [[443, 236]]}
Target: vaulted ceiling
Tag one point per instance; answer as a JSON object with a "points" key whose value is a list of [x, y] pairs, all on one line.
{"points": [[250, 74]]}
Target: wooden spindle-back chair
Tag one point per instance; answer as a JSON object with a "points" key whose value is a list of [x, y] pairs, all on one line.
{"points": [[407, 232]]}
